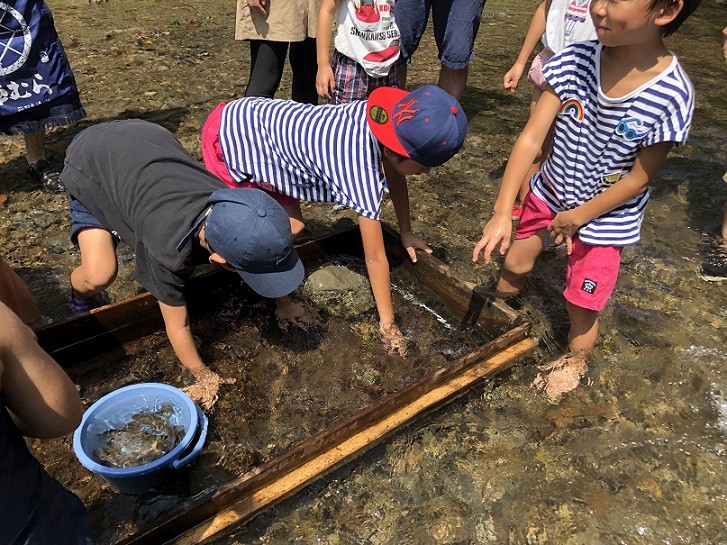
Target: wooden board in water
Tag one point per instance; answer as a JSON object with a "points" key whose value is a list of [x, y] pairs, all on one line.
{"points": [[212, 514]]}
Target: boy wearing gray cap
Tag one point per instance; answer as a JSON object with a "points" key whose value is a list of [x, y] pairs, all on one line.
{"points": [[134, 180]]}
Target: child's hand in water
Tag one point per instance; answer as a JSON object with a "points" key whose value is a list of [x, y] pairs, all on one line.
{"points": [[205, 391], [295, 313], [393, 339]]}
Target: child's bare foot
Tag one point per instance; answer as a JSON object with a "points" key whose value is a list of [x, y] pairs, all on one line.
{"points": [[563, 374], [393, 339], [205, 390], [296, 313]]}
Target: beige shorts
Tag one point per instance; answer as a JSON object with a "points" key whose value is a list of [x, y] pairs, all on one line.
{"points": [[285, 21]]}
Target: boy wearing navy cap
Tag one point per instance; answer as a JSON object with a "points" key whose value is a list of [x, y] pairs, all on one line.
{"points": [[134, 180], [336, 154]]}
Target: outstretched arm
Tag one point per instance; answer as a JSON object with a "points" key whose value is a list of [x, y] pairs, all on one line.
{"points": [[325, 82], [377, 266], [42, 400], [179, 332], [535, 32], [648, 162], [399, 193], [526, 148]]}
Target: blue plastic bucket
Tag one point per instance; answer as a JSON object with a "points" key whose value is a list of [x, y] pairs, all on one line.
{"points": [[115, 409]]}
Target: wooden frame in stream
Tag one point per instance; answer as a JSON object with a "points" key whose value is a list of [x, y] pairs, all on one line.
{"points": [[304, 402]]}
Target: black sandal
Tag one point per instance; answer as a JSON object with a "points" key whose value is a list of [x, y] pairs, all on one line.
{"points": [[48, 177]]}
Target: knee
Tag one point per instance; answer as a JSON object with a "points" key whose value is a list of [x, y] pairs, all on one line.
{"points": [[515, 264], [581, 315], [296, 227], [97, 277]]}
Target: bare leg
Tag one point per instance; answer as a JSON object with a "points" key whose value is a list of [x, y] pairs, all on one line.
{"points": [[38, 167], [583, 328], [98, 263], [453, 81], [724, 225], [564, 374], [296, 219], [518, 263], [401, 73], [34, 146]]}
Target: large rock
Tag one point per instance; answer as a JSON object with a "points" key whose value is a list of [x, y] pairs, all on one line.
{"points": [[342, 291]]}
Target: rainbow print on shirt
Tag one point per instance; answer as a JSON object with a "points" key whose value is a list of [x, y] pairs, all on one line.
{"points": [[573, 108]]}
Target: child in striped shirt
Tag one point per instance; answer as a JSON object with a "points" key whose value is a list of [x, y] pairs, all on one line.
{"points": [[619, 105], [557, 24], [336, 154]]}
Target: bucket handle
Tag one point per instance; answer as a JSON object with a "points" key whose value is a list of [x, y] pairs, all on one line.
{"points": [[204, 424]]}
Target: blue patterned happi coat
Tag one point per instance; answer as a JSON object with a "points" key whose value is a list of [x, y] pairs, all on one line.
{"points": [[37, 87]]}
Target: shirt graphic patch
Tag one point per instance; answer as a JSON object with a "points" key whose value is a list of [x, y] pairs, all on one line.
{"points": [[631, 128], [613, 177], [576, 12], [589, 286], [573, 108]]}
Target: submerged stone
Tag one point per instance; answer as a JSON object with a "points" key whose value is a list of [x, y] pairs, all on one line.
{"points": [[340, 290]]}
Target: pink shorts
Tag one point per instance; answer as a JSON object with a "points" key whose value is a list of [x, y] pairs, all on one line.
{"points": [[215, 162], [592, 270], [535, 74]]}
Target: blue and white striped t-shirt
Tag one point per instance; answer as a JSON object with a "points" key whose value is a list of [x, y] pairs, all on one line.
{"points": [[597, 138], [309, 152]]}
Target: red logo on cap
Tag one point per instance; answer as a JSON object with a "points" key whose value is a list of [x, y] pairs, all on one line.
{"points": [[406, 112]]}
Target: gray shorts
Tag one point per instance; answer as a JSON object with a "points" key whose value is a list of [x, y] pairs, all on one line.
{"points": [[82, 218]]}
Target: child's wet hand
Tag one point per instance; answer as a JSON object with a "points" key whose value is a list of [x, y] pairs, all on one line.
{"points": [[206, 390], [393, 339], [412, 243], [564, 226], [496, 231], [296, 313]]}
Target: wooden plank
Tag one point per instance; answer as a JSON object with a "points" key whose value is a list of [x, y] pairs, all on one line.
{"points": [[208, 505], [474, 304], [256, 500]]}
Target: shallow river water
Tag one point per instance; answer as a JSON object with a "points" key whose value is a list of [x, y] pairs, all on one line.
{"points": [[636, 455]]}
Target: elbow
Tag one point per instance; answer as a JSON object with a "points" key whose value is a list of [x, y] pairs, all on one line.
{"points": [[377, 260]]}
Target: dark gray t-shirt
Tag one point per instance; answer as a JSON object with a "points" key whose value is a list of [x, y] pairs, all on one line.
{"points": [[139, 181]]}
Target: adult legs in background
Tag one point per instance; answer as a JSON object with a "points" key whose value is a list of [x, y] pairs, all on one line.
{"points": [[267, 60], [34, 146], [304, 66], [456, 23]]}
